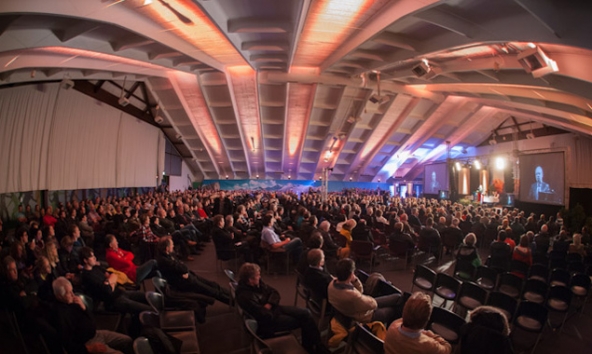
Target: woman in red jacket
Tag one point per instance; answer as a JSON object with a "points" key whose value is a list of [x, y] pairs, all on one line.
{"points": [[123, 261]]}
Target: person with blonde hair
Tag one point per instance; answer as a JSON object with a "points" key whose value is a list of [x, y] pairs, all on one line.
{"points": [[346, 231], [577, 246], [407, 335]]}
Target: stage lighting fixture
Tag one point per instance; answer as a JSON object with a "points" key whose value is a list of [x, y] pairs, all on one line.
{"points": [[66, 84], [158, 119], [123, 101], [421, 69], [477, 164], [500, 163], [458, 166], [536, 62], [530, 136], [179, 136]]}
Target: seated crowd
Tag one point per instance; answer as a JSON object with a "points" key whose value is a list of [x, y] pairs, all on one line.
{"points": [[51, 258]]}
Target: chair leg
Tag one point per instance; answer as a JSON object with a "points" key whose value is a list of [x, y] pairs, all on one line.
{"points": [[537, 342]]}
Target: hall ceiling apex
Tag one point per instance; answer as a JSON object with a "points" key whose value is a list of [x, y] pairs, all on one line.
{"points": [[274, 88]]}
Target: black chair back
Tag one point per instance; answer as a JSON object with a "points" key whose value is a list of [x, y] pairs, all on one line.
{"points": [[363, 341], [486, 278], [510, 284], [446, 324], [503, 302], [160, 285], [471, 295], [559, 276], [539, 272], [424, 278], [535, 291], [142, 346]]}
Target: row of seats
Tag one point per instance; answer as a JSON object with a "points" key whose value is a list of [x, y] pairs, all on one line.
{"points": [[525, 303]]}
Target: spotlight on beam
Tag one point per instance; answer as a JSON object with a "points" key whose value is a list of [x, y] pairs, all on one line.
{"points": [[477, 164], [536, 62], [123, 101], [158, 119]]}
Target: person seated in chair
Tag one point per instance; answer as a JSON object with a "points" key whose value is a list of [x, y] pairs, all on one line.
{"points": [[487, 332], [180, 278], [123, 261], [400, 235], [263, 303], [273, 241], [345, 294], [429, 238], [500, 253], [407, 334], [468, 254], [316, 278], [225, 242], [315, 242], [102, 286], [76, 328]]}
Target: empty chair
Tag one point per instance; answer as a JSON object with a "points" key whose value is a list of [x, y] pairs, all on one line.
{"points": [[276, 345], [362, 276], [319, 310], [362, 341], [539, 258], [559, 277], [142, 346], [230, 275], [424, 278], [187, 339], [505, 303], [576, 267], [519, 268], [471, 296], [535, 291], [104, 319], [301, 290], [446, 324], [558, 300], [486, 278], [573, 257], [384, 288], [271, 253], [557, 263], [400, 249], [446, 287], [362, 250], [538, 272], [510, 284], [170, 320], [580, 287], [531, 317]]}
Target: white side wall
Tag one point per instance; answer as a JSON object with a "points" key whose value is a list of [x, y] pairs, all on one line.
{"points": [[56, 139], [181, 182]]}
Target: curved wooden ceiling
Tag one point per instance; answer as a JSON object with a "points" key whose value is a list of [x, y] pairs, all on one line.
{"points": [[370, 88]]}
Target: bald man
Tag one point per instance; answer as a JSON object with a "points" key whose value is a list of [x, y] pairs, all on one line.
{"points": [[539, 186]]}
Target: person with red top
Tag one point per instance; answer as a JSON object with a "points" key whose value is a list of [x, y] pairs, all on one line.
{"points": [[48, 218], [510, 241], [123, 261], [522, 252]]}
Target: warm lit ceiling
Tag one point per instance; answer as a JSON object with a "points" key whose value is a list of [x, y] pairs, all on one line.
{"points": [[278, 89]]}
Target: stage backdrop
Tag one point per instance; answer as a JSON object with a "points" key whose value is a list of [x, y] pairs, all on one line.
{"points": [[290, 185]]}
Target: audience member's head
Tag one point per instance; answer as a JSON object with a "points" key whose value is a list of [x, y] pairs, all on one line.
{"points": [[524, 241], [9, 269], [470, 239], [492, 318], [62, 289], [417, 311], [344, 269], [577, 239], [316, 258], [165, 245], [249, 274], [315, 240], [325, 225], [501, 235]]}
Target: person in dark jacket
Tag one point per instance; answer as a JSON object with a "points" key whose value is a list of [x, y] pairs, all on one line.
{"points": [[181, 279], [76, 327], [225, 241], [263, 303]]}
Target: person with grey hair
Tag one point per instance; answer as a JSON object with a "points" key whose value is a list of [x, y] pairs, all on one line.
{"points": [[329, 246], [76, 328]]}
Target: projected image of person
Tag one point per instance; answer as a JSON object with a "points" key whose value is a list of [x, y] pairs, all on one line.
{"points": [[434, 184], [539, 186]]}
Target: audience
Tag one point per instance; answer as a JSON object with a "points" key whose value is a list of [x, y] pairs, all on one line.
{"points": [[35, 256]]}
